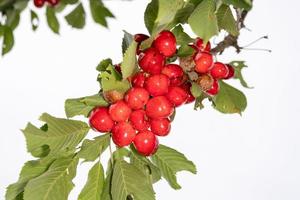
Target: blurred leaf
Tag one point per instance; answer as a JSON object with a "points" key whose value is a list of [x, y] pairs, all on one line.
{"points": [[13, 18], [99, 12], [34, 20], [8, 39], [69, 1], [52, 20], [76, 18]]}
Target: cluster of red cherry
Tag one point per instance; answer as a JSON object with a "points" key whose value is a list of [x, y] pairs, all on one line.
{"points": [[40, 3], [209, 71], [157, 89]]}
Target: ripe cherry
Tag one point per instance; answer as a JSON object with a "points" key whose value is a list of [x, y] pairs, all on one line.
{"points": [[139, 120], [230, 72], [187, 87], [214, 89], [151, 61], [159, 107], [39, 3], [138, 80], [172, 71], [179, 80], [53, 2], [160, 127], [136, 98], [119, 111], [157, 85], [177, 96], [100, 120], [199, 44], [165, 43], [146, 143], [123, 134], [219, 71], [203, 61]]}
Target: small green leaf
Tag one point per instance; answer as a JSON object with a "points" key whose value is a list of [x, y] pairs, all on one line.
{"points": [[185, 51], [229, 99], [203, 20], [84, 105], [170, 161], [76, 18], [112, 80], [34, 20], [94, 185], [52, 19], [92, 149], [102, 66], [99, 12], [245, 4], [127, 40], [8, 39], [196, 90], [62, 135], [129, 64], [129, 182], [55, 183], [226, 20], [182, 38], [238, 67], [199, 101]]}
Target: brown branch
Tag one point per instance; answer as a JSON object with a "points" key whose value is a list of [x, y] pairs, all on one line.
{"points": [[231, 40]]}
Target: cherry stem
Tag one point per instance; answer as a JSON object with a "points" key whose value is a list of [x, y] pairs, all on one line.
{"points": [[255, 41], [256, 49]]}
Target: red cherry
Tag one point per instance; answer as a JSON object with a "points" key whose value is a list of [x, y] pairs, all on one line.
{"points": [[187, 87], [123, 134], [219, 71], [179, 80], [160, 127], [151, 61], [230, 72], [157, 85], [53, 2], [119, 111], [199, 44], [136, 98], [138, 120], [203, 61], [165, 43], [39, 3], [177, 96], [100, 120], [172, 71], [214, 89], [159, 107], [138, 80], [146, 143], [139, 38]]}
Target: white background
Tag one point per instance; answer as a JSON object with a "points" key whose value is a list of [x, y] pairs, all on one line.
{"points": [[253, 157]]}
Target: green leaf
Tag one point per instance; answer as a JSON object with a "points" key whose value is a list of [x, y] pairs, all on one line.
{"points": [[20, 4], [92, 149], [226, 20], [84, 105], [52, 19], [185, 50], [94, 185], [106, 193], [170, 161], [238, 67], [76, 18], [13, 18], [127, 40], [245, 4], [160, 14], [30, 170], [145, 166], [99, 12], [199, 101], [34, 20], [8, 39], [62, 135], [112, 80], [102, 66], [55, 183], [182, 15], [129, 64], [129, 182], [181, 37], [196, 90], [229, 99], [203, 20], [71, 2]]}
